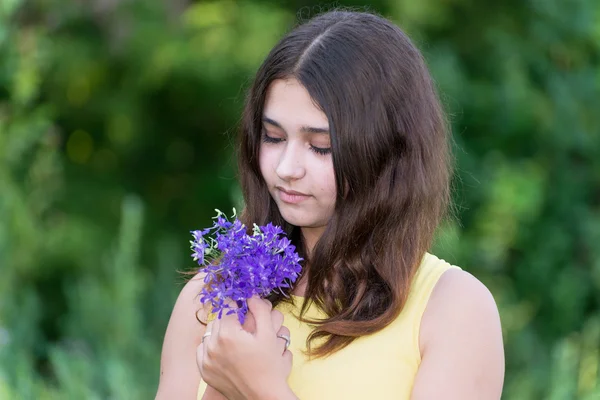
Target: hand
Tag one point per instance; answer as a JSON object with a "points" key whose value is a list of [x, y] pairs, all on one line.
{"points": [[276, 318], [249, 326], [242, 364]]}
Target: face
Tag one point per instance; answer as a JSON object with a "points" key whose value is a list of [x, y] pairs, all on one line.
{"points": [[295, 156]]}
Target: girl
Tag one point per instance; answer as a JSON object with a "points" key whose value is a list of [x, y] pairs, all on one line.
{"points": [[344, 144]]}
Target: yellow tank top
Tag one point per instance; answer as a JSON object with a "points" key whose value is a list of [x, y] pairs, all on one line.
{"points": [[379, 366]]}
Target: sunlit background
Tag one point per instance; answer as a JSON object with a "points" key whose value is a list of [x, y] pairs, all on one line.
{"points": [[117, 120]]}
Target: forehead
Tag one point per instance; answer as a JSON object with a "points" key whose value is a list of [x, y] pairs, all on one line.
{"points": [[289, 103]]}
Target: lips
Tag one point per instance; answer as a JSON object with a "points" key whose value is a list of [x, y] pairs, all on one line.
{"points": [[291, 196], [291, 192]]}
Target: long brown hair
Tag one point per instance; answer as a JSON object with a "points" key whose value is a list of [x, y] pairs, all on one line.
{"points": [[392, 162]]}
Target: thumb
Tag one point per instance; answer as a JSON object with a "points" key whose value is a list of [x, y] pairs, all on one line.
{"points": [[261, 310]]}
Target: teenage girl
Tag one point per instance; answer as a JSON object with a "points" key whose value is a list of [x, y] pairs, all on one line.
{"points": [[345, 145]]}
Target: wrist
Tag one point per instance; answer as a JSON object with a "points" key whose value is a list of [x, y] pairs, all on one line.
{"points": [[283, 392], [212, 394]]}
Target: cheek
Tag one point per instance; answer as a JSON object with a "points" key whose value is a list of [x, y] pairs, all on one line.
{"points": [[263, 163], [328, 183]]}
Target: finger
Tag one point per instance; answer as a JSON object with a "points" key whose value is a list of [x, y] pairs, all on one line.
{"points": [[229, 323], [204, 360], [213, 328], [209, 329], [285, 332], [262, 314], [288, 356], [276, 318], [289, 359], [201, 350], [200, 358], [208, 346], [249, 324]]}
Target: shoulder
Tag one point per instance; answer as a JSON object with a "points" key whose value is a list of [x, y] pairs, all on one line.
{"points": [[188, 304], [179, 375], [461, 332], [189, 295], [458, 296], [457, 285]]}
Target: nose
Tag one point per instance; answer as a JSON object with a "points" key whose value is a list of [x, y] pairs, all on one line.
{"points": [[291, 164]]}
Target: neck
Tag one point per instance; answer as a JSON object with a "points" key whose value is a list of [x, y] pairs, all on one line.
{"points": [[310, 236]]}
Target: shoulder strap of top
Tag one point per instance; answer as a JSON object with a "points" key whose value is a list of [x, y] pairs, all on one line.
{"points": [[427, 276]]}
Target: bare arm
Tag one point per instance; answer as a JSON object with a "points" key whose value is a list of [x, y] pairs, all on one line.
{"points": [[179, 374], [461, 342]]}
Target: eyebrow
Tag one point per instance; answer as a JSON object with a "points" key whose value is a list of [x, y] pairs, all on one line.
{"points": [[304, 128]]}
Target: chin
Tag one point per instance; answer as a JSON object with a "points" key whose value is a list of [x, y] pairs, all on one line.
{"points": [[305, 216], [301, 221], [294, 218]]}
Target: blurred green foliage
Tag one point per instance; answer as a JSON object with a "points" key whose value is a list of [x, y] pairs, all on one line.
{"points": [[115, 122]]}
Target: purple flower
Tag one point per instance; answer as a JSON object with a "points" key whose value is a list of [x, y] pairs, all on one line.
{"points": [[247, 265]]}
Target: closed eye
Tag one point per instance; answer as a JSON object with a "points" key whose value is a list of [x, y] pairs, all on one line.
{"points": [[268, 139], [320, 150]]}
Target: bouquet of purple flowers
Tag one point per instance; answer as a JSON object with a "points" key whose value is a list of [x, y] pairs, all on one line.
{"points": [[239, 265]]}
